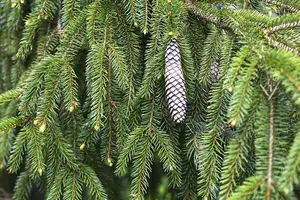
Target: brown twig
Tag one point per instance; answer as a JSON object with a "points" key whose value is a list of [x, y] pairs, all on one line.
{"points": [[270, 93], [245, 4]]}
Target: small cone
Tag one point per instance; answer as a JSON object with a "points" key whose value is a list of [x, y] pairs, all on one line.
{"points": [[215, 70], [175, 83]]}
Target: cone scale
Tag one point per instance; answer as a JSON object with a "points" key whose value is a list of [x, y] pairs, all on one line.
{"points": [[175, 83]]}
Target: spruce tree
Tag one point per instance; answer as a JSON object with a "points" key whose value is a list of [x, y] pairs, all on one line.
{"points": [[98, 94]]}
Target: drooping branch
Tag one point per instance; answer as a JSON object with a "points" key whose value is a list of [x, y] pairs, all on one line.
{"points": [[271, 143], [288, 7], [279, 45], [206, 15], [270, 93], [59, 18], [110, 122]]}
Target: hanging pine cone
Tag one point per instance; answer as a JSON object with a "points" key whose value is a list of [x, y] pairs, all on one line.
{"points": [[174, 82], [215, 71]]}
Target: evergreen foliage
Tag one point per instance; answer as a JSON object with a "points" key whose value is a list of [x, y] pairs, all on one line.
{"points": [[83, 100]]}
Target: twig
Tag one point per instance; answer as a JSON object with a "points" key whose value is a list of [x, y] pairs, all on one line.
{"points": [[279, 45], [271, 142], [270, 95], [282, 5], [59, 18], [245, 4], [110, 122]]}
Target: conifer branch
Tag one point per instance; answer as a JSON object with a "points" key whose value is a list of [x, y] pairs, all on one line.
{"points": [[244, 191], [269, 95], [289, 174], [291, 79], [236, 64], [23, 187], [131, 67], [110, 102], [243, 140], [59, 27], [9, 95], [271, 143], [207, 13], [9, 123], [280, 45], [18, 150], [283, 5], [281, 27], [35, 151], [73, 185], [56, 187]]}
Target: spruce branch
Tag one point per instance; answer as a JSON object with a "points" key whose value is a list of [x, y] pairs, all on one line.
{"points": [[251, 185], [110, 102], [131, 45], [288, 25], [18, 151], [234, 160], [289, 174], [9, 95], [207, 13], [285, 4], [142, 165], [69, 9], [242, 93], [270, 93], [9, 123], [167, 154], [129, 150], [280, 45], [55, 190], [271, 143], [35, 152], [72, 186], [23, 187]]}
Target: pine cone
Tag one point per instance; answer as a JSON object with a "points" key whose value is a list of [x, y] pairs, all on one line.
{"points": [[215, 71], [174, 82]]}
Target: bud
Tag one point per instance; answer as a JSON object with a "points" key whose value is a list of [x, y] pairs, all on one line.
{"points": [[1, 166], [71, 108], [96, 127], [169, 1], [109, 162], [171, 33], [27, 22], [14, 4], [22, 1], [40, 171], [43, 127], [286, 190], [145, 31], [82, 146], [233, 122], [230, 88], [298, 101], [270, 13], [136, 24], [10, 171], [36, 122]]}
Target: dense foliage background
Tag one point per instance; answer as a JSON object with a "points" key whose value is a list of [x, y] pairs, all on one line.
{"points": [[85, 113]]}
